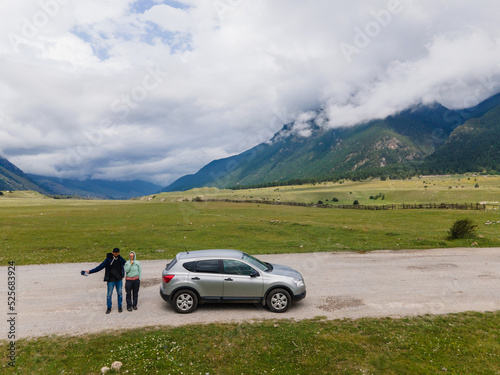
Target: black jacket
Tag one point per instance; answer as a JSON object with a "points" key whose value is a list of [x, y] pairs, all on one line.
{"points": [[107, 265]]}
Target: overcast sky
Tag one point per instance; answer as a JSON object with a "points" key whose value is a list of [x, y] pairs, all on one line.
{"points": [[153, 90]]}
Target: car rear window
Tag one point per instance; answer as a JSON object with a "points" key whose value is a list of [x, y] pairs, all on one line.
{"points": [[171, 264]]}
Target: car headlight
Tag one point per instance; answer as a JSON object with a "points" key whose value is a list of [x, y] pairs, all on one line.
{"points": [[299, 282]]}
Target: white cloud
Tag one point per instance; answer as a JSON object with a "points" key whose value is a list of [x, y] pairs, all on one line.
{"points": [[169, 18], [122, 89]]}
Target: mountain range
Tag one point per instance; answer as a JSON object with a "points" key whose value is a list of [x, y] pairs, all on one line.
{"points": [[103, 189], [12, 178], [422, 140]]}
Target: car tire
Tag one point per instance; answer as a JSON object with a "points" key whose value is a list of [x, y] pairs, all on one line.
{"points": [[278, 300], [185, 301]]}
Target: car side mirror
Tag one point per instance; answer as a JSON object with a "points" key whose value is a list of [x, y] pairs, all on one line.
{"points": [[254, 274]]}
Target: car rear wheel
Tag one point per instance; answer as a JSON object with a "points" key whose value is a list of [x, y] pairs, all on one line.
{"points": [[278, 300], [185, 301]]}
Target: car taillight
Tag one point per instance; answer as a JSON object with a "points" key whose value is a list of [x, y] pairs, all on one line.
{"points": [[167, 278]]}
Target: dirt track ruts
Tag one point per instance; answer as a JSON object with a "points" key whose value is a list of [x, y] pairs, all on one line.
{"points": [[56, 299]]}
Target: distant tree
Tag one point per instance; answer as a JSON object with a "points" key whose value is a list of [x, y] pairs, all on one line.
{"points": [[355, 203]]}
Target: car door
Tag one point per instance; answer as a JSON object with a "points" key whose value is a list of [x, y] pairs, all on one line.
{"points": [[241, 281], [207, 279]]}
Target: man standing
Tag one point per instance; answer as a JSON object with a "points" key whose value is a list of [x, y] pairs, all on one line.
{"points": [[113, 274]]}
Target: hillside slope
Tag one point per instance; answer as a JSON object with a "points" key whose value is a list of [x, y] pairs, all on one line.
{"points": [[473, 146], [13, 178]]}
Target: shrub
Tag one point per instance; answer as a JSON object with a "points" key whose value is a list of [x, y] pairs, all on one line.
{"points": [[463, 228], [335, 199], [355, 203]]}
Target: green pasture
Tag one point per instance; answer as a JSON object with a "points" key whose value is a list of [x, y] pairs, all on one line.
{"points": [[425, 189], [466, 343], [37, 230]]}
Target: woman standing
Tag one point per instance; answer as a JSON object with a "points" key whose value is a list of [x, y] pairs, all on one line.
{"points": [[133, 281]]}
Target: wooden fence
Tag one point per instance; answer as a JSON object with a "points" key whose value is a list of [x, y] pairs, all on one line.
{"points": [[402, 206]]}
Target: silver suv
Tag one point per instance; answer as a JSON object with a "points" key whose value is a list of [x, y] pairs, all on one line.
{"points": [[195, 277]]}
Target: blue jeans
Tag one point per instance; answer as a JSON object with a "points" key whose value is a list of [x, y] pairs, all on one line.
{"points": [[111, 285]]}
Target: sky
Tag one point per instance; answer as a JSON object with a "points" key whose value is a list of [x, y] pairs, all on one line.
{"points": [[154, 90]]}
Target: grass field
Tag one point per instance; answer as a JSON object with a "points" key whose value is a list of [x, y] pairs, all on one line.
{"points": [[427, 189], [36, 229]]}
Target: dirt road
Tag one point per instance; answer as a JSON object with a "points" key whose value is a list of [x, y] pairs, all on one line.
{"points": [[56, 299]]}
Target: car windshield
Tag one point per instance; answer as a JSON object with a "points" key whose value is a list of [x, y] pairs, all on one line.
{"points": [[257, 263]]}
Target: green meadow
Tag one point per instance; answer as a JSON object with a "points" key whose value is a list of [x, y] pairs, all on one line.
{"points": [[425, 189], [37, 230]]}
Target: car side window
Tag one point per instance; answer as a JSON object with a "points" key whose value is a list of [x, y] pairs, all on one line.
{"points": [[208, 266], [235, 267]]}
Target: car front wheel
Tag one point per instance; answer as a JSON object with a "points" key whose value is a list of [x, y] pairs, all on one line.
{"points": [[278, 300], [185, 301]]}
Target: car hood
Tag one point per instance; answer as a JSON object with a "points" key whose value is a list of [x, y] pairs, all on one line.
{"points": [[279, 269]]}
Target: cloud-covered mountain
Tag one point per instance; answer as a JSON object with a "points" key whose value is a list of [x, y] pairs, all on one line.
{"points": [[425, 138]]}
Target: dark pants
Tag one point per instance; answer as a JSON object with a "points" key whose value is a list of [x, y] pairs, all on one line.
{"points": [[132, 289]]}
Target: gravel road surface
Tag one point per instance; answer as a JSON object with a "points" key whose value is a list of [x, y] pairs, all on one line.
{"points": [[56, 299]]}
